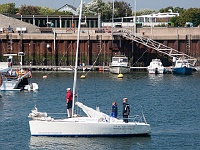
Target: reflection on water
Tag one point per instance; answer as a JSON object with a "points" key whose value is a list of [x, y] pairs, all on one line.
{"points": [[89, 142], [155, 77], [1, 103], [5, 96], [170, 104]]}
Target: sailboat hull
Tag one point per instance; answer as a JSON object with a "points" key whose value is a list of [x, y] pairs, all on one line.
{"points": [[91, 128]]}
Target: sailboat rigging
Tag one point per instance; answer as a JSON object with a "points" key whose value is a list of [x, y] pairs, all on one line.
{"points": [[95, 123]]}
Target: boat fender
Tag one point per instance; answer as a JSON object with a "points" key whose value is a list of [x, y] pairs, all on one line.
{"points": [[44, 76], [1, 81]]}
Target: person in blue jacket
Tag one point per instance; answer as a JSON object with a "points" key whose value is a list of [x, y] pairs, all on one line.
{"points": [[114, 110]]}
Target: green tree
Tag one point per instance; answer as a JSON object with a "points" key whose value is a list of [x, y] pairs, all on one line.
{"points": [[190, 15], [97, 6], [175, 21], [49, 11], [145, 12], [170, 8], [8, 8], [29, 10], [94, 7], [122, 9], [178, 10], [167, 9]]}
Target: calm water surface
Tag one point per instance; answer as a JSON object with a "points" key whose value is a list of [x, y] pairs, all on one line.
{"points": [[170, 104]]}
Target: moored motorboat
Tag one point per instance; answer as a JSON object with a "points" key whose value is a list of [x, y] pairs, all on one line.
{"points": [[15, 80], [156, 67], [182, 66], [119, 64]]}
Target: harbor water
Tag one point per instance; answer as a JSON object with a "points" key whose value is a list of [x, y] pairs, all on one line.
{"points": [[169, 102]]}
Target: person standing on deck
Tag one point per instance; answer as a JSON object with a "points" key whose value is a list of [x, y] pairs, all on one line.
{"points": [[126, 110], [69, 97], [114, 110]]}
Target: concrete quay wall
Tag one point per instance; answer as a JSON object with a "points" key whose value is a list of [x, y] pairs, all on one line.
{"points": [[170, 33], [67, 34], [62, 50]]}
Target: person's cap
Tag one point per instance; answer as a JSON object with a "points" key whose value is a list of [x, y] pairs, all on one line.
{"points": [[68, 89], [125, 98]]}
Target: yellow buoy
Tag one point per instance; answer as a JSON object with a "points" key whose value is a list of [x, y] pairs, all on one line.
{"points": [[120, 75], [82, 77]]}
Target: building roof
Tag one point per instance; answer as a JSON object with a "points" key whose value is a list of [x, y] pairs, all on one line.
{"points": [[68, 8]]}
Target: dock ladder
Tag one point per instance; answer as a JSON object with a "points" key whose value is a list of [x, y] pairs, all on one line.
{"points": [[10, 42], [99, 42], [188, 40]]}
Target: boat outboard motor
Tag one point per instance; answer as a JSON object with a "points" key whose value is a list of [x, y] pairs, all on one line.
{"points": [[156, 71]]}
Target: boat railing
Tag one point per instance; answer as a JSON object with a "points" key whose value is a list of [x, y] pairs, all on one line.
{"points": [[136, 118]]}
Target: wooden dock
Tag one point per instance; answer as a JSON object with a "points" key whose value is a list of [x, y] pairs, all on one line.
{"points": [[61, 68], [69, 68]]}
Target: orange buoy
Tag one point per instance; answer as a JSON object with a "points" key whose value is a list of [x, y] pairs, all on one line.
{"points": [[100, 69]]}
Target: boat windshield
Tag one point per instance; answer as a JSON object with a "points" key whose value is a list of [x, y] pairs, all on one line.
{"points": [[120, 60]]}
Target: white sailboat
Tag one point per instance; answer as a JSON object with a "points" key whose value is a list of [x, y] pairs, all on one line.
{"points": [[95, 123]]}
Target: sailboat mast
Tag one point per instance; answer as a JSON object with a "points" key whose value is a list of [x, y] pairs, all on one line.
{"points": [[76, 60]]}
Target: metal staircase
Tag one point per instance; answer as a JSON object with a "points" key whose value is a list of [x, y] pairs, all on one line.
{"points": [[154, 45]]}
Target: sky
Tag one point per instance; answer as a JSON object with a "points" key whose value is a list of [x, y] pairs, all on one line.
{"points": [[140, 4]]}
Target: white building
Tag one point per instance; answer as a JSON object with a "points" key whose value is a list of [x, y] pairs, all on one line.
{"points": [[146, 20]]}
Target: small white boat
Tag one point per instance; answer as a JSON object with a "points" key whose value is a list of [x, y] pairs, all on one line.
{"points": [[65, 68], [182, 66], [119, 64], [156, 67], [17, 83], [14, 80], [95, 123]]}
